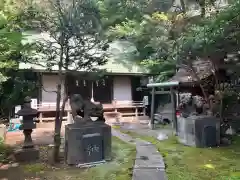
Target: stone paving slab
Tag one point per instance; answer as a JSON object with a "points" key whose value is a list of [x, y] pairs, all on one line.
{"points": [[149, 174], [123, 136], [149, 164], [148, 157]]}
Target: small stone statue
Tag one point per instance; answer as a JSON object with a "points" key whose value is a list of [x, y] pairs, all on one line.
{"points": [[191, 105], [85, 110]]}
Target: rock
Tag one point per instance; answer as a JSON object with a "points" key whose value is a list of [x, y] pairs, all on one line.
{"points": [[162, 136]]}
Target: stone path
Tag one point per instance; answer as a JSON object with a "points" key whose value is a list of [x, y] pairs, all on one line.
{"points": [[149, 163]]}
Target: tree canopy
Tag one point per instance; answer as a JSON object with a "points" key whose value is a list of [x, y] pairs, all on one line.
{"points": [[165, 38], [214, 37]]}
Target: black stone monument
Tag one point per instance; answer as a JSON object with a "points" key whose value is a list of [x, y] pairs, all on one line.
{"points": [[88, 139]]}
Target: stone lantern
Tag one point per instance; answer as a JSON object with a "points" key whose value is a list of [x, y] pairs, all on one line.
{"points": [[28, 152]]}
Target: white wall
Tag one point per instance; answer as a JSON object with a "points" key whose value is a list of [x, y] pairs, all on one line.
{"points": [[122, 90], [50, 84]]}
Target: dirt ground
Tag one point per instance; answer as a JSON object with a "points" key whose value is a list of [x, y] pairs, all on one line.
{"points": [[43, 134]]}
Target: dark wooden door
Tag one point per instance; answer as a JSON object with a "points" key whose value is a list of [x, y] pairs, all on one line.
{"points": [[102, 90], [76, 86], [136, 95]]}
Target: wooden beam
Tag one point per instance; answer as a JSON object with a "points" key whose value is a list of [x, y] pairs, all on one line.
{"points": [[164, 92], [163, 84]]}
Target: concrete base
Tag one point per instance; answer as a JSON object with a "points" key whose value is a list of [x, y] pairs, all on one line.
{"points": [[26, 154]]}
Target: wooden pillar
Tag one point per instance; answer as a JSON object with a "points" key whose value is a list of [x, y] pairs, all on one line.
{"points": [[40, 89], [152, 108], [40, 117], [69, 118], [174, 106], [115, 105], [92, 96], [136, 113], [144, 110]]}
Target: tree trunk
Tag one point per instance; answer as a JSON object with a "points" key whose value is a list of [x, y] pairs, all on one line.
{"points": [[58, 118], [199, 81], [57, 130], [65, 98]]}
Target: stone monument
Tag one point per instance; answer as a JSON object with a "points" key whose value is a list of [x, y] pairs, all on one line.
{"points": [[197, 126], [88, 139], [28, 152]]}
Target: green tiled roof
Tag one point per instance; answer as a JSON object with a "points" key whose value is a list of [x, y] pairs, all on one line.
{"points": [[121, 53]]}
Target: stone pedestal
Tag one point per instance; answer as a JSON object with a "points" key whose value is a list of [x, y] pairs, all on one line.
{"points": [[87, 143], [26, 154], [199, 131]]}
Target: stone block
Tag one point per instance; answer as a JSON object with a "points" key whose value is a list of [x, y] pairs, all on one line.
{"points": [[26, 154], [87, 143]]}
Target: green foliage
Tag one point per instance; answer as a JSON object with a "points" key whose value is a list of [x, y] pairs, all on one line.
{"points": [[15, 89], [162, 39], [10, 45], [114, 12], [153, 40], [10, 39], [13, 85], [72, 38], [214, 37]]}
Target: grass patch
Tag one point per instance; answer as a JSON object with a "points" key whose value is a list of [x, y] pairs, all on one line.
{"points": [[189, 163], [120, 168]]}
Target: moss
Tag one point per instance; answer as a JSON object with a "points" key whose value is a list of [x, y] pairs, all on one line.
{"points": [[190, 163]]}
